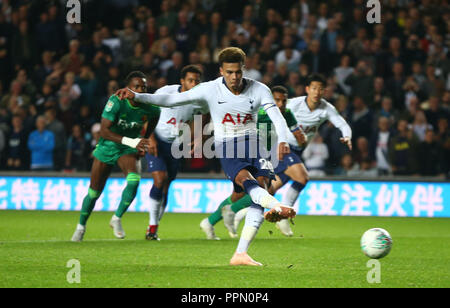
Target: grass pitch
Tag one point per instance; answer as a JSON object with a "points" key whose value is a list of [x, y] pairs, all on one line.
{"points": [[35, 249]]}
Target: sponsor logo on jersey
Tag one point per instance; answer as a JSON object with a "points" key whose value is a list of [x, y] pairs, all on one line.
{"points": [[239, 119], [128, 125]]}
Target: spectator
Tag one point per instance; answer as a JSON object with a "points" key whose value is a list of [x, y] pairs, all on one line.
{"points": [[23, 48], [15, 97], [315, 155], [435, 111], [361, 115], [420, 125], [77, 150], [128, 38], [342, 72], [73, 60], [17, 156], [59, 138], [403, 150], [288, 55], [362, 152], [313, 58], [361, 81], [380, 146], [346, 165], [429, 148], [41, 143]]}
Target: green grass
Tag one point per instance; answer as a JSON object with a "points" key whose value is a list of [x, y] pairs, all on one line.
{"points": [[35, 248]]}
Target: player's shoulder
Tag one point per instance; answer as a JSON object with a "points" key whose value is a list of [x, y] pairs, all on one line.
{"points": [[294, 101], [255, 84], [169, 89], [324, 104]]}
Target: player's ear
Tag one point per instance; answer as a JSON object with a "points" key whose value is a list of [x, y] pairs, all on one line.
{"points": [[221, 70]]}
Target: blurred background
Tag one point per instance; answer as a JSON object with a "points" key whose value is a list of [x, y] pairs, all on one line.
{"points": [[390, 81]]}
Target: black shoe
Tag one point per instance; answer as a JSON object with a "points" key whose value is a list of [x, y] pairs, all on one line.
{"points": [[151, 237]]}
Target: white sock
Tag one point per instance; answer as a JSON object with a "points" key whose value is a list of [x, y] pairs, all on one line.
{"points": [[154, 212], [81, 227], [253, 221], [115, 217], [262, 197], [291, 196]]}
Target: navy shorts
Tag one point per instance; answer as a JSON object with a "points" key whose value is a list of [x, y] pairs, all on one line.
{"points": [[244, 153], [164, 161], [290, 159]]}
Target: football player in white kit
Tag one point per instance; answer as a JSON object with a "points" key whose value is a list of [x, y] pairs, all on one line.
{"points": [[234, 102], [161, 163], [310, 111]]}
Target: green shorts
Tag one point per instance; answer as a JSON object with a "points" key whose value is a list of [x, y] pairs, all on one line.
{"points": [[109, 153]]}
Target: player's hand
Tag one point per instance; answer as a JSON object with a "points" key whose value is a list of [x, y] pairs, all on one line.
{"points": [[152, 146], [143, 145], [124, 93], [347, 141], [283, 149], [301, 137]]}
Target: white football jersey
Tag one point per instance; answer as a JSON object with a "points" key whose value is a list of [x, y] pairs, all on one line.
{"points": [[310, 121], [233, 115], [170, 119]]}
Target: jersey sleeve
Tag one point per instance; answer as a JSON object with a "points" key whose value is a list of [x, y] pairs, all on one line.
{"points": [[337, 120], [197, 94], [266, 97], [111, 109]]}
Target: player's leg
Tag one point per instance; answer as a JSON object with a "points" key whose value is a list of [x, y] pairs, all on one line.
{"points": [[127, 164], [160, 180], [299, 175], [99, 175], [207, 224], [253, 222]]}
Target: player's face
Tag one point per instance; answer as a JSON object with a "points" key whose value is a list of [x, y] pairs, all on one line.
{"points": [[315, 91], [280, 100], [138, 85], [232, 72], [190, 81]]}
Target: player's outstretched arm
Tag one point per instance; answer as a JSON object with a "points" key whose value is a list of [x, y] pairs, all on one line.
{"points": [[339, 122], [163, 100]]}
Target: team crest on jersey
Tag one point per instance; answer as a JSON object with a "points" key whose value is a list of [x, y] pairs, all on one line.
{"points": [[109, 106]]}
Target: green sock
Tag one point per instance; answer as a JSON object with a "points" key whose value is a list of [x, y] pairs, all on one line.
{"points": [[128, 193], [242, 203], [217, 215], [88, 205]]}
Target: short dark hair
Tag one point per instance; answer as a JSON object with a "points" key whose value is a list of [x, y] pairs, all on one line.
{"points": [[231, 55], [280, 89], [316, 78], [135, 74], [191, 69]]}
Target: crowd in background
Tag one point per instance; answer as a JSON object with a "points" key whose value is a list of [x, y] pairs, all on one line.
{"points": [[390, 81]]}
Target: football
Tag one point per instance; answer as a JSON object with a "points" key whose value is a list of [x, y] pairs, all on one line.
{"points": [[376, 243]]}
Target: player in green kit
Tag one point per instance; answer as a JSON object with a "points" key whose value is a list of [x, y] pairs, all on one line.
{"points": [[120, 142], [236, 202]]}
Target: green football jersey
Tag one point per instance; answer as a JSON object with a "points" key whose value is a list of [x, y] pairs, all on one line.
{"points": [[128, 120], [265, 125]]}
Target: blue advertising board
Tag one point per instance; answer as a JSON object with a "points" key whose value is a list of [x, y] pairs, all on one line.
{"points": [[343, 198]]}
